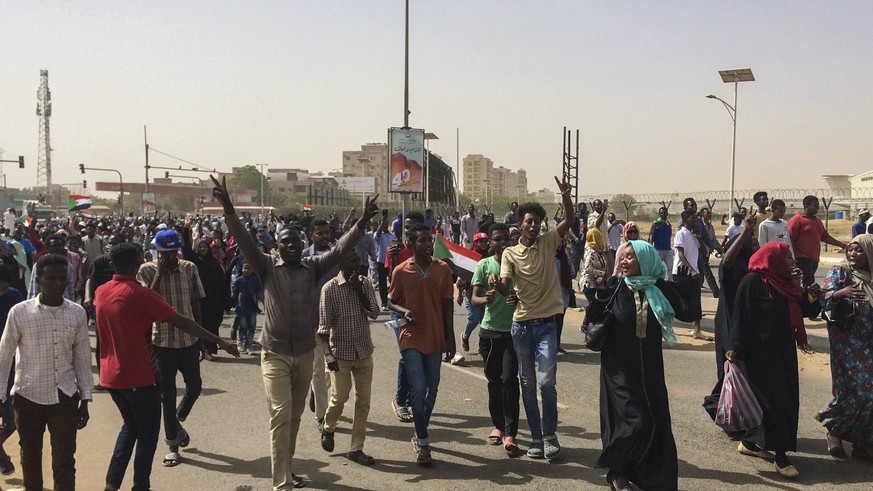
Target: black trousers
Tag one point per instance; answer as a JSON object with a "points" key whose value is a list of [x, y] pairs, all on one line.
{"points": [[383, 273], [501, 370]]}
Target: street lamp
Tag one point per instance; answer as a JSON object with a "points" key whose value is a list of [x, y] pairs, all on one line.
{"points": [[427, 138], [735, 77]]}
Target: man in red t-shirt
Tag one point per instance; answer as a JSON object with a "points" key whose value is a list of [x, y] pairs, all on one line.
{"points": [[807, 232], [125, 313]]}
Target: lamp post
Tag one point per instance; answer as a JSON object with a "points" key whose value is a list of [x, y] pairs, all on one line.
{"points": [[734, 76], [427, 138], [263, 178]]}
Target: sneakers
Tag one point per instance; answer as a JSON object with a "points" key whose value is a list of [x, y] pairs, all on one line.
{"points": [[457, 359], [465, 343], [535, 451], [422, 452], [551, 447]]}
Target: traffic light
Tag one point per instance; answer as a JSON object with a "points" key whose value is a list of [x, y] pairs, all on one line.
{"points": [[84, 183], [167, 175], [82, 168], [118, 200], [21, 161]]}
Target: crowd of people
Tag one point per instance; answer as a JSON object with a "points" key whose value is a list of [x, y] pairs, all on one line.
{"points": [[157, 290]]}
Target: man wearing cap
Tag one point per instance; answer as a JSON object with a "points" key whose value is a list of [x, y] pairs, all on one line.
{"points": [[860, 227], [174, 350], [465, 294], [291, 319]]}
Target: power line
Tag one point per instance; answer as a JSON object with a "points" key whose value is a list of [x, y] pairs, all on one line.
{"points": [[153, 149]]}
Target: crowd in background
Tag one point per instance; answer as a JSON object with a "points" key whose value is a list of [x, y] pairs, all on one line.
{"points": [[318, 282]]}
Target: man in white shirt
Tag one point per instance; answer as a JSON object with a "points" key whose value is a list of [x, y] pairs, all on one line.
{"points": [[775, 229], [734, 229], [613, 237], [53, 380], [9, 219], [469, 226], [685, 266]]}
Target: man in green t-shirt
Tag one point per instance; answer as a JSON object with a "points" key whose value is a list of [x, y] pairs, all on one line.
{"points": [[495, 343]]}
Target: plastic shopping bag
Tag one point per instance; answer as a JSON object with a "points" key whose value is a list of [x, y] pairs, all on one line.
{"points": [[738, 408]]}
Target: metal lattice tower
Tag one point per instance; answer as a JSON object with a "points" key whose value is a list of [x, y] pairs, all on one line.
{"points": [[44, 111], [571, 163]]}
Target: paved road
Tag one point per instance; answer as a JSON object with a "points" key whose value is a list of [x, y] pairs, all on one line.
{"points": [[229, 428]]}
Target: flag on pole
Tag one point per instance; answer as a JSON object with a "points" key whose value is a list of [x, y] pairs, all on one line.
{"points": [[463, 261], [25, 220], [307, 207], [78, 202]]}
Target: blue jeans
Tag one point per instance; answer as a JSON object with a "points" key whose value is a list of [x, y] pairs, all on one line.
{"points": [[537, 350], [474, 317], [402, 394], [423, 372], [247, 323], [140, 410]]}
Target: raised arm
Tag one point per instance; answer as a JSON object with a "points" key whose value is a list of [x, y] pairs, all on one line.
{"points": [[730, 255], [247, 245], [567, 221]]}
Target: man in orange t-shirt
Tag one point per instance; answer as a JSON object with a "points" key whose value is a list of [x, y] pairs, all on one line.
{"points": [[421, 292]]}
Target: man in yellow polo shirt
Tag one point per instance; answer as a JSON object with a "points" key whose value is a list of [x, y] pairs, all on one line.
{"points": [[530, 268]]}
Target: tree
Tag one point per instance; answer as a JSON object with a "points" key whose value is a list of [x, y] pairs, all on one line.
{"points": [[249, 177]]}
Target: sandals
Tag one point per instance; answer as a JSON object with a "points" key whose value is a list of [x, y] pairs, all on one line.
{"points": [[835, 448], [402, 412], [182, 439], [359, 457], [172, 459], [703, 337], [495, 437], [511, 447], [297, 481], [618, 482]]}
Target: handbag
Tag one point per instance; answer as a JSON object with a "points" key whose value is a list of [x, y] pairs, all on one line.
{"points": [[738, 408], [598, 332]]}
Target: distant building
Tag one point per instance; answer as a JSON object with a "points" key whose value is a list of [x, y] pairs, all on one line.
{"points": [[482, 181], [372, 161], [545, 195]]}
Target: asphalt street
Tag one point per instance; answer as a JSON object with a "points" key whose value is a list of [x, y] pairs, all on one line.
{"points": [[229, 427]]}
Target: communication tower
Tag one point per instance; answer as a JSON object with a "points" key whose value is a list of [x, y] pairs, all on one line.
{"points": [[44, 111]]}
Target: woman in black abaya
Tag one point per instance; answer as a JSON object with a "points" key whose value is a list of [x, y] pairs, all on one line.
{"points": [[635, 426], [766, 329], [731, 270]]}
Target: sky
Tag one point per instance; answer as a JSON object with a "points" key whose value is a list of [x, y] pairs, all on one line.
{"points": [[294, 83]]}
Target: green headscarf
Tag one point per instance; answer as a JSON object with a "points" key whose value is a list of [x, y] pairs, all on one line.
{"points": [[652, 269]]}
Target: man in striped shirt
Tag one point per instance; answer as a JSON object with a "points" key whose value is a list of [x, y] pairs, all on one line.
{"points": [[347, 301], [175, 351]]}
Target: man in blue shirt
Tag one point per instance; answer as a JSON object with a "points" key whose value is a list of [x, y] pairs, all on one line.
{"points": [[860, 227], [659, 236], [383, 240]]}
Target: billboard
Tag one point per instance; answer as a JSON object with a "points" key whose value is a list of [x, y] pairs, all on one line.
{"points": [[148, 204], [363, 185], [406, 157]]}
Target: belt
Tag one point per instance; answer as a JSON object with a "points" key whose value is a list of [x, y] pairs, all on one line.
{"points": [[536, 322]]}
